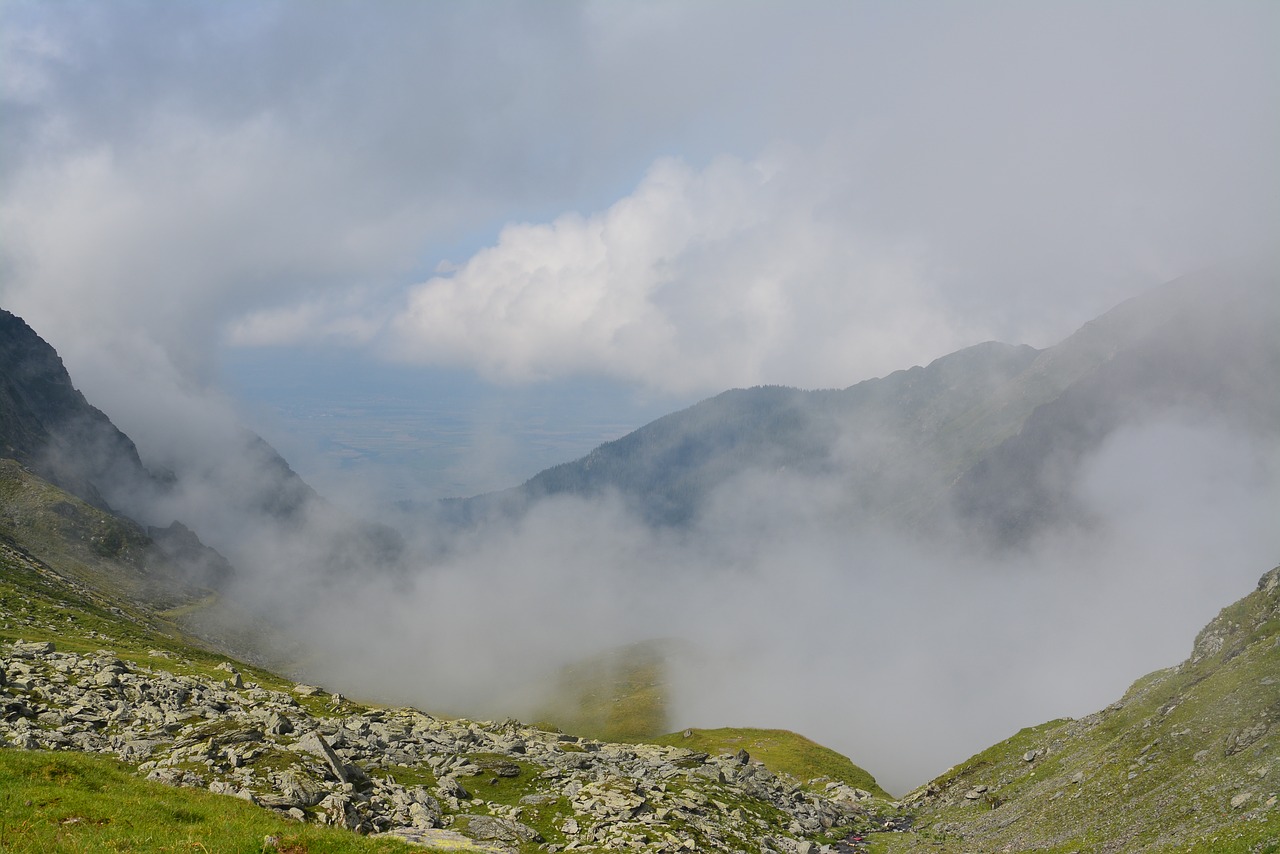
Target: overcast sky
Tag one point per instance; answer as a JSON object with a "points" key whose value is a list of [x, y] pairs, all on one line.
{"points": [[679, 196], [675, 198]]}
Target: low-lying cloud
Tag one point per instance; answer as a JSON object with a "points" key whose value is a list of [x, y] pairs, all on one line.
{"points": [[908, 652]]}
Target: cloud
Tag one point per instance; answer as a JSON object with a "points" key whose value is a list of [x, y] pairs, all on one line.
{"points": [[699, 279], [205, 175], [907, 650]]}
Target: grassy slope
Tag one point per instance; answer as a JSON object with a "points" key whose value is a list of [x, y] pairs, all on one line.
{"points": [[1189, 759], [75, 802], [780, 751], [619, 696], [84, 544]]}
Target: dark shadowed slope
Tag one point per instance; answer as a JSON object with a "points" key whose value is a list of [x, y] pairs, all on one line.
{"points": [[47, 425]]}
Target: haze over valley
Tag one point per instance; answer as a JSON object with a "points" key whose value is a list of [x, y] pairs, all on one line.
{"points": [[904, 374]]}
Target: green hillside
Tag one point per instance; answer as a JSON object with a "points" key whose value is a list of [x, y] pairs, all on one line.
{"points": [[621, 696], [782, 752], [1187, 760], [618, 695]]}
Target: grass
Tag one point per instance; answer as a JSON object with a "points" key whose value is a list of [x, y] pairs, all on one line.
{"points": [[74, 802], [781, 751], [617, 696], [493, 788], [1155, 772]]}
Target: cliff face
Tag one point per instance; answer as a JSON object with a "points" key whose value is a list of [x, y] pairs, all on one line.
{"points": [[48, 426]]}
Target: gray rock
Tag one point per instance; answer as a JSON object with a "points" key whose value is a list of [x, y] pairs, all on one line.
{"points": [[449, 787], [491, 829], [314, 744], [34, 649]]}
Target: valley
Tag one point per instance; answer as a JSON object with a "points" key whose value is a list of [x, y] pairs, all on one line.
{"points": [[321, 672]]}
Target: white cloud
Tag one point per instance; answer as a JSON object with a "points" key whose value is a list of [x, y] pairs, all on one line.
{"points": [[699, 279], [173, 171]]}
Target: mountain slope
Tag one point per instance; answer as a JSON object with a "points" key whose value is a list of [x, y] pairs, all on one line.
{"points": [[52, 430], [1201, 346], [162, 568], [993, 433], [1188, 759], [91, 670], [667, 469], [47, 425]]}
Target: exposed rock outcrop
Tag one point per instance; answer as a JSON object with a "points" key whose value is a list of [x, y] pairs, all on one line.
{"points": [[403, 772]]}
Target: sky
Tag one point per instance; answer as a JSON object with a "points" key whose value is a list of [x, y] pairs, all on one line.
{"points": [[428, 249], [671, 198]]}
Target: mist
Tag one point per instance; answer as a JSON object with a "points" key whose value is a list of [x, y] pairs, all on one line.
{"points": [[907, 651], [671, 199]]}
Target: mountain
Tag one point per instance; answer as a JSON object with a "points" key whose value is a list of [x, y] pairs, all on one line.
{"points": [[49, 427], [99, 690], [992, 434], [1199, 347], [161, 567], [1187, 760], [109, 672]]}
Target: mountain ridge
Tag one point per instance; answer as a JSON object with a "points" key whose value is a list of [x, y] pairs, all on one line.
{"points": [[991, 422], [47, 424]]}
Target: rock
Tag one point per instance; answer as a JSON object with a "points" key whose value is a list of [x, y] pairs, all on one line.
{"points": [[314, 744], [336, 809], [31, 650], [446, 840], [1241, 799], [489, 829], [278, 724], [617, 797], [426, 814], [449, 787]]}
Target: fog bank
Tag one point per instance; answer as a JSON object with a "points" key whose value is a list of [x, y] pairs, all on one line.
{"points": [[906, 652]]}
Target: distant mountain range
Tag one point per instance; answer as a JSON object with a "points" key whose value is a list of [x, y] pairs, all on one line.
{"points": [[991, 435]]}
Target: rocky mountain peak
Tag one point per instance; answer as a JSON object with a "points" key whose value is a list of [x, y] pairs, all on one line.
{"points": [[49, 426]]}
